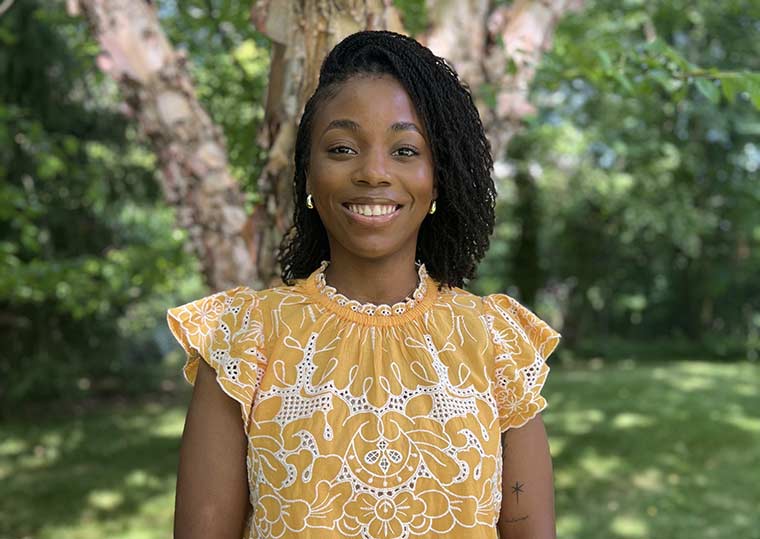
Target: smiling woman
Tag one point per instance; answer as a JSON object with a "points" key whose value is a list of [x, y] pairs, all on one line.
{"points": [[371, 396], [371, 178]]}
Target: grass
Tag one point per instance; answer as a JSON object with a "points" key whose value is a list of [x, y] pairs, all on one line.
{"points": [[660, 450], [103, 472]]}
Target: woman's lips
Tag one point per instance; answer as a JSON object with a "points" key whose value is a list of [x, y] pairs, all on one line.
{"points": [[372, 219]]}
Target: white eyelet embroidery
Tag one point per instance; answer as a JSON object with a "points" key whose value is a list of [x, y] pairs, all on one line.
{"points": [[372, 309]]}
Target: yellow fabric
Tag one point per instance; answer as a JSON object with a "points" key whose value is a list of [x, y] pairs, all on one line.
{"points": [[371, 421]]}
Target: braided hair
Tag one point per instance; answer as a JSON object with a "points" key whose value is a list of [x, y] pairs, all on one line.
{"points": [[455, 238]]}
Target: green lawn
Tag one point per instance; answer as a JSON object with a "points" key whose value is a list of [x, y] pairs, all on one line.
{"points": [[642, 450], [656, 450]]}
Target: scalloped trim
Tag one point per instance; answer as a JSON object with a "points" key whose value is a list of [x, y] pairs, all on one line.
{"points": [[372, 309]]}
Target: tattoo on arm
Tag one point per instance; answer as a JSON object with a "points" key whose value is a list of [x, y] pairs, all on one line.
{"points": [[517, 489], [513, 520]]}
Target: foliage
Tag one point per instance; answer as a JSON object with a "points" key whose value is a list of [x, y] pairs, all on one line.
{"points": [[229, 64], [645, 156], [414, 15], [88, 258]]}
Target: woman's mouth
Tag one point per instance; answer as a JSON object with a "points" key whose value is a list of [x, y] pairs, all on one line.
{"points": [[372, 213]]}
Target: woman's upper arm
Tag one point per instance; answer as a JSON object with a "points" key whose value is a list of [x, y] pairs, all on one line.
{"points": [[527, 507], [212, 482]]}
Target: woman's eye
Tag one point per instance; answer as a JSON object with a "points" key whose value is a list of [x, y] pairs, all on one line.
{"points": [[407, 152], [346, 150], [340, 150]]}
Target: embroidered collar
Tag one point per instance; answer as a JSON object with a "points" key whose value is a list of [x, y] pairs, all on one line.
{"points": [[373, 309]]}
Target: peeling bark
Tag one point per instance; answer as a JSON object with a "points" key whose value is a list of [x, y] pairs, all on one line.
{"points": [[497, 53], [191, 150]]}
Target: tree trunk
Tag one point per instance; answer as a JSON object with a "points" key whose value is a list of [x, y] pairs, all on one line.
{"points": [[191, 150], [497, 53]]}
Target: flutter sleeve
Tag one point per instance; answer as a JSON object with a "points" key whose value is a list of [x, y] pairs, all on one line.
{"points": [[225, 330], [522, 342]]}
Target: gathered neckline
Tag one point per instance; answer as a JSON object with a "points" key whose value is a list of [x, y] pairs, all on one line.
{"points": [[371, 313]]}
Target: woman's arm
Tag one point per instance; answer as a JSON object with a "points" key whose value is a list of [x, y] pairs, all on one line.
{"points": [[212, 482], [527, 507]]}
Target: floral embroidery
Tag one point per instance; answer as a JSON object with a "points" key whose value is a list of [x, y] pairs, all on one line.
{"points": [[367, 420], [384, 517]]}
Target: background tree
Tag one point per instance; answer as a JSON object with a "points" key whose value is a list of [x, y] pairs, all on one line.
{"points": [[87, 252], [645, 152]]}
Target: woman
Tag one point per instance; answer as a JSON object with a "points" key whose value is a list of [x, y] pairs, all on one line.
{"points": [[378, 398]]}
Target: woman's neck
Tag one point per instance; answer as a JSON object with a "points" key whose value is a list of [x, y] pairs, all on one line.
{"points": [[379, 281]]}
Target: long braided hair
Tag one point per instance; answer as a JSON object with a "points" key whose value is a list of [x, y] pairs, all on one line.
{"points": [[455, 238]]}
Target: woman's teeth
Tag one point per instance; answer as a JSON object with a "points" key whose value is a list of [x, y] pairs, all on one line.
{"points": [[371, 209]]}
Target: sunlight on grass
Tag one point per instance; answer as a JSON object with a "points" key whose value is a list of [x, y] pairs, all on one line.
{"points": [[12, 446], [108, 473], [629, 420], [568, 525], [141, 478], [751, 424], [105, 499], [581, 421], [629, 526], [662, 450], [649, 479], [748, 390], [600, 467], [169, 423], [558, 444]]}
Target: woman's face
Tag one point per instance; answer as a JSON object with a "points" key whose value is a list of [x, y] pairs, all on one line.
{"points": [[370, 169]]}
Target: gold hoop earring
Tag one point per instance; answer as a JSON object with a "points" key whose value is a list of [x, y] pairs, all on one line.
{"points": [[432, 208], [310, 201]]}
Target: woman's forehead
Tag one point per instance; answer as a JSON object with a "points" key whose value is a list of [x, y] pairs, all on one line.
{"points": [[369, 102]]}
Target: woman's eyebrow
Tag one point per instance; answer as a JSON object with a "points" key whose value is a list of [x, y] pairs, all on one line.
{"points": [[345, 123]]}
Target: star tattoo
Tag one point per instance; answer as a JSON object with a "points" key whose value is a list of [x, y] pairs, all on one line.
{"points": [[517, 490]]}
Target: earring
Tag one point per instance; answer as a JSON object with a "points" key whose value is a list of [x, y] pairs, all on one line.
{"points": [[310, 201], [432, 208]]}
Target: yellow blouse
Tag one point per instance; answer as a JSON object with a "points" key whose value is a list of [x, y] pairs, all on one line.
{"points": [[365, 420]]}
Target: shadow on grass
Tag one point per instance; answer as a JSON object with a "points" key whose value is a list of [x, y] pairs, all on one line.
{"points": [[94, 472], [656, 450]]}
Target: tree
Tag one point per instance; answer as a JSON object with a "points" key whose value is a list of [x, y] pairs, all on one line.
{"points": [[190, 148], [644, 147], [85, 264]]}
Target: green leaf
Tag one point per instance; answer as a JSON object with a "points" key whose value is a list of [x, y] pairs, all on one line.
{"points": [[752, 87], [623, 80], [708, 89], [731, 86], [606, 61], [511, 66]]}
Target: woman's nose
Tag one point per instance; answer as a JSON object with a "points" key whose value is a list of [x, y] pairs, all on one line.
{"points": [[374, 169]]}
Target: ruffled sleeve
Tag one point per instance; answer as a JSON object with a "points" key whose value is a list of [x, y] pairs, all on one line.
{"points": [[522, 342], [225, 330]]}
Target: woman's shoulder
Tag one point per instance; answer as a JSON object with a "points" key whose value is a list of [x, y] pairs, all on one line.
{"points": [[239, 296], [497, 310], [466, 301]]}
